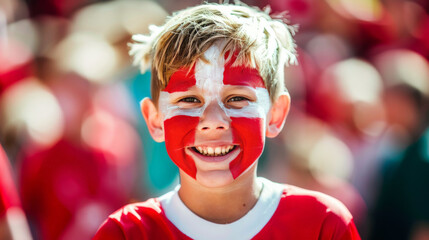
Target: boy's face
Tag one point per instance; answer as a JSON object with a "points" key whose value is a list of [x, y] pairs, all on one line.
{"points": [[214, 119]]}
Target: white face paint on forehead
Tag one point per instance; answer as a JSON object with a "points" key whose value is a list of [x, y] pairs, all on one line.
{"points": [[209, 79], [209, 76]]}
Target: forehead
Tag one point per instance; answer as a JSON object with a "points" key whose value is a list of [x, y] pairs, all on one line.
{"points": [[215, 73]]}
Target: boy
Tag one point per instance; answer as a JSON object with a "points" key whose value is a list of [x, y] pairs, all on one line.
{"points": [[217, 92]]}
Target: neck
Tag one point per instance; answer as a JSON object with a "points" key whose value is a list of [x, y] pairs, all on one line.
{"points": [[224, 204]]}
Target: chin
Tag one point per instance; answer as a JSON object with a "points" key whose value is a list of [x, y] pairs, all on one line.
{"points": [[215, 178]]}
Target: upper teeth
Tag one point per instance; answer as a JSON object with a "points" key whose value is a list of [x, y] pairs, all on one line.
{"points": [[215, 151]]}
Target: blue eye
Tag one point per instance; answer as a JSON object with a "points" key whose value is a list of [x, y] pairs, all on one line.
{"points": [[190, 100]]}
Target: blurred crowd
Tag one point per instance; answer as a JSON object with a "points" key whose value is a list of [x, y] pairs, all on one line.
{"points": [[76, 147]]}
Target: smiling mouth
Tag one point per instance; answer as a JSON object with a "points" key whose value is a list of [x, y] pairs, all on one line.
{"points": [[214, 151]]}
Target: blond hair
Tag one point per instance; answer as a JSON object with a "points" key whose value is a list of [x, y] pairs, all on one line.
{"points": [[260, 42]]}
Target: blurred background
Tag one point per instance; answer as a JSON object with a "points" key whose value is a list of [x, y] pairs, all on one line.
{"points": [[76, 147]]}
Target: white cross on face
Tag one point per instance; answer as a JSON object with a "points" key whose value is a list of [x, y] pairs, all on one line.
{"points": [[209, 79], [236, 102]]}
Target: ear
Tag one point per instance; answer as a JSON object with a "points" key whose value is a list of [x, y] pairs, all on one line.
{"points": [[153, 119], [277, 115]]}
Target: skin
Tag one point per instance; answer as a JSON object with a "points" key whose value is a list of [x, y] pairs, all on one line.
{"points": [[220, 189]]}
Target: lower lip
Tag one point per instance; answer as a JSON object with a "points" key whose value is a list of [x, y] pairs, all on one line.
{"points": [[233, 153]]}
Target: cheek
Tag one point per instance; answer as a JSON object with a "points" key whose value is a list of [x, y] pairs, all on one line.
{"points": [[249, 133], [180, 132]]}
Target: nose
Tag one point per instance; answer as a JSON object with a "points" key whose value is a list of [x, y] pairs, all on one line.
{"points": [[213, 118]]}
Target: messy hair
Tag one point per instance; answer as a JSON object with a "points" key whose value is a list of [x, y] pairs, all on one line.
{"points": [[259, 41]]}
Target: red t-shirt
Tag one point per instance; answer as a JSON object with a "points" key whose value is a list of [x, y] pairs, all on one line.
{"points": [[282, 212]]}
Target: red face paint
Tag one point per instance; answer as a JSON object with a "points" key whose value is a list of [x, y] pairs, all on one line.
{"points": [[247, 127], [180, 130], [179, 133], [243, 76], [249, 133], [181, 80]]}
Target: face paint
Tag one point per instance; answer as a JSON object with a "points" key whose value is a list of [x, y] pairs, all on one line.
{"points": [[180, 132], [234, 76], [181, 80], [250, 133], [211, 80], [179, 124], [248, 129]]}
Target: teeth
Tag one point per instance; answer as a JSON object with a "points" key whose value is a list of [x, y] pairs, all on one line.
{"points": [[214, 152], [218, 150], [210, 151]]}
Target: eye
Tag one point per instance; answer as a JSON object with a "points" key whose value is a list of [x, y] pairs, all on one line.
{"points": [[190, 100], [237, 99], [237, 102]]}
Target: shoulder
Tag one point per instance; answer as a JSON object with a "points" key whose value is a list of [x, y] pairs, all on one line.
{"points": [[150, 207], [145, 214], [296, 200], [133, 221], [312, 215], [315, 202]]}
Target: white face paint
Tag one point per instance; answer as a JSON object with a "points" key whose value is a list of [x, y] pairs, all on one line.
{"points": [[236, 95], [210, 81]]}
